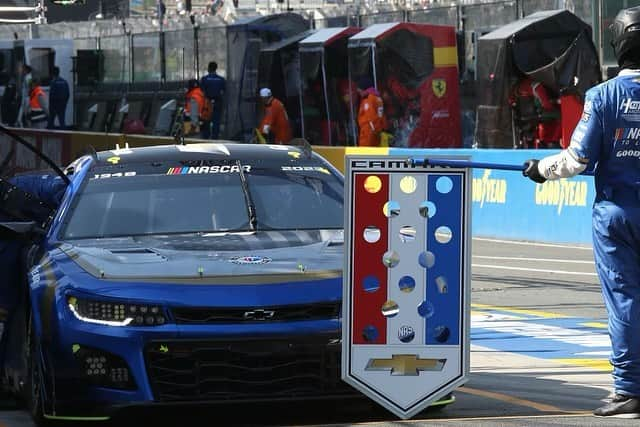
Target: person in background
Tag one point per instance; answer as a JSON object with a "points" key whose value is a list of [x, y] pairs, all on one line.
{"points": [[275, 122], [371, 120], [58, 99], [38, 106], [194, 106], [605, 138], [25, 78], [538, 114], [213, 85]]}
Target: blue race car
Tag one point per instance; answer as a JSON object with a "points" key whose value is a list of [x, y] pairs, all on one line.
{"points": [[182, 274]]}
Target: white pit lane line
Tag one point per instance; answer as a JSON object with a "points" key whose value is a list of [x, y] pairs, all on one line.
{"points": [[535, 270], [508, 258], [547, 245]]}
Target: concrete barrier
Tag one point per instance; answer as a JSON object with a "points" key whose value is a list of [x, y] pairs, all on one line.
{"points": [[505, 204]]}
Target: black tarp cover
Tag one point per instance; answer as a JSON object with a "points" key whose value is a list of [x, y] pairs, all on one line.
{"points": [[552, 47], [245, 40]]}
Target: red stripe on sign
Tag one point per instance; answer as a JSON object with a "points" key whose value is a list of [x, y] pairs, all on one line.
{"points": [[368, 324]]}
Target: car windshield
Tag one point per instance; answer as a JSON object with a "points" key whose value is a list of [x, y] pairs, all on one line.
{"points": [[155, 200]]}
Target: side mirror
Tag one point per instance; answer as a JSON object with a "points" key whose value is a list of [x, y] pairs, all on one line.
{"points": [[20, 230]]}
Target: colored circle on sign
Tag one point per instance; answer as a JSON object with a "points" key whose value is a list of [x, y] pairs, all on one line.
{"points": [[390, 309], [427, 209], [443, 234], [407, 284], [390, 259], [444, 184], [406, 333], [408, 184], [371, 234], [370, 284], [427, 259], [442, 333], [370, 333], [425, 309], [372, 184], [441, 283], [407, 234], [391, 209]]}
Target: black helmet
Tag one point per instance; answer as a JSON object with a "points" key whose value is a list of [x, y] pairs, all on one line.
{"points": [[626, 33]]}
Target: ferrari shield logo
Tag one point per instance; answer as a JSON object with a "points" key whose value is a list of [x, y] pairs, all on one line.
{"points": [[405, 333], [439, 87]]}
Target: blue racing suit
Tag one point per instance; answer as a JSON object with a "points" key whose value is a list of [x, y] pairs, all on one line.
{"points": [[213, 86], [608, 138], [50, 190]]}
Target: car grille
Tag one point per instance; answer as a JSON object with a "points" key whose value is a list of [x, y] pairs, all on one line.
{"points": [[249, 369], [325, 310]]}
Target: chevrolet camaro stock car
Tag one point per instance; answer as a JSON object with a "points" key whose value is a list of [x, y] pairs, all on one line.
{"points": [[183, 274]]}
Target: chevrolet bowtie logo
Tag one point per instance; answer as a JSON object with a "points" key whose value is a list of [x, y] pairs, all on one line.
{"points": [[405, 364], [258, 314]]}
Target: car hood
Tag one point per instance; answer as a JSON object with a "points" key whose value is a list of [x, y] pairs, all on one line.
{"points": [[216, 258]]}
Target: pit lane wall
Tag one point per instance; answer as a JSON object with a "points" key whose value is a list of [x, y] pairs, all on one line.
{"points": [[505, 204]]}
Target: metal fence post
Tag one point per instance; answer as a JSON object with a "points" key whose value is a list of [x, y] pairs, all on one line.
{"points": [[132, 74], [163, 59], [196, 49]]}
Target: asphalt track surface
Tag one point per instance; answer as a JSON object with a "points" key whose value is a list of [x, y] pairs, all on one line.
{"points": [[538, 357]]}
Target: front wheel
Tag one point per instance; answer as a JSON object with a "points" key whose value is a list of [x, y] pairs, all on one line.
{"points": [[35, 378]]}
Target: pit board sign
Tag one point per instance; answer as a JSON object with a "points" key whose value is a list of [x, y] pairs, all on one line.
{"points": [[406, 285]]}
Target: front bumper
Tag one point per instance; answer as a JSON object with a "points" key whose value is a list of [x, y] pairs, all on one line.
{"points": [[194, 364]]}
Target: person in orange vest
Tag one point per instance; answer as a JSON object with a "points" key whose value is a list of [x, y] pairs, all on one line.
{"points": [[195, 106], [38, 105], [275, 121], [538, 114], [371, 120]]}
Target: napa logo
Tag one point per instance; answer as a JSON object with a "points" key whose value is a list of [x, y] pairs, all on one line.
{"points": [[562, 193], [489, 190]]}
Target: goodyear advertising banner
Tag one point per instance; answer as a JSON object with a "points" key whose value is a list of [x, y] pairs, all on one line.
{"points": [[507, 205]]}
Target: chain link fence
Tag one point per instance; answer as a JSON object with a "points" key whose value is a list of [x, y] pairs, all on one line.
{"points": [[436, 15], [146, 58], [116, 58], [179, 47], [139, 49], [487, 16]]}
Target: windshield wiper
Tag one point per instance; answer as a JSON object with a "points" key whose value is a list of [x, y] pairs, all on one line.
{"points": [[251, 207]]}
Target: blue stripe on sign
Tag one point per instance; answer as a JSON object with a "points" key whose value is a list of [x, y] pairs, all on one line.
{"points": [[443, 279], [565, 338], [184, 170]]}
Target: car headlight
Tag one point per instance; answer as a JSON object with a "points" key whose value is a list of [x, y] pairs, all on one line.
{"points": [[116, 313]]}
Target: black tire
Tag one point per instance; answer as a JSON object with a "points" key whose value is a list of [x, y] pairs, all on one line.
{"points": [[33, 389]]}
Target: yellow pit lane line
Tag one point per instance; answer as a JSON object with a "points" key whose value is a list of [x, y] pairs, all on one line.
{"points": [[598, 325], [601, 365], [462, 419], [542, 407], [534, 313]]}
